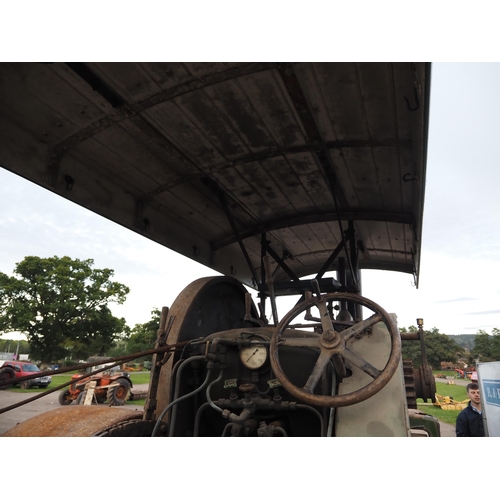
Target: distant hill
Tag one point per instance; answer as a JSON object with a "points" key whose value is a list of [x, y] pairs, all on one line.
{"points": [[466, 341]]}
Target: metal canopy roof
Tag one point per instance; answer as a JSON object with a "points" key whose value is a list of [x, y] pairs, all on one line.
{"points": [[211, 158]]}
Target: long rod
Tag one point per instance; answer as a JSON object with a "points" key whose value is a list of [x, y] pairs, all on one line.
{"points": [[223, 202], [270, 288], [281, 262], [332, 257]]}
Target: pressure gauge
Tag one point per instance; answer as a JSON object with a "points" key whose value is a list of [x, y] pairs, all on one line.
{"points": [[253, 356]]}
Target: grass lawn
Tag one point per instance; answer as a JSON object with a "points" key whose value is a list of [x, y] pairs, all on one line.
{"points": [[457, 392], [446, 416], [137, 378], [56, 380], [140, 378]]}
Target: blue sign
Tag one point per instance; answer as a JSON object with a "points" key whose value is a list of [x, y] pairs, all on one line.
{"points": [[491, 392]]}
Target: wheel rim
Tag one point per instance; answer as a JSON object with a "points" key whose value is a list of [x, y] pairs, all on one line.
{"points": [[121, 392]]}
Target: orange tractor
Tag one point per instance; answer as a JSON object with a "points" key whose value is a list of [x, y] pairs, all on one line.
{"points": [[111, 385]]}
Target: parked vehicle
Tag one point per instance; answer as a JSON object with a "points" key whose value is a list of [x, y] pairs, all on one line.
{"points": [[112, 385], [17, 369]]}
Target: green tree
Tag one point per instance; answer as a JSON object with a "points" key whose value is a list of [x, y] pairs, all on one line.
{"points": [[143, 335], [9, 345], [438, 347], [61, 305], [482, 347], [495, 344]]}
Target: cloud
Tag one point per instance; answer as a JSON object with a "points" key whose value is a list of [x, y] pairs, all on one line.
{"points": [[459, 299], [497, 311], [480, 327]]}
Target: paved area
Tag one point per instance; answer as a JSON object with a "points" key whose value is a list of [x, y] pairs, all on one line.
{"points": [[456, 381], [13, 417], [447, 430]]}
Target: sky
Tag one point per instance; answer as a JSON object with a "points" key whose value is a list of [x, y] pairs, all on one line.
{"points": [[458, 290]]}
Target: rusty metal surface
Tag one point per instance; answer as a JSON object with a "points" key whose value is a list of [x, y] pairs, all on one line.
{"points": [[411, 394], [409, 378], [205, 306], [73, 421], [158, 361], [425, 384], [422, 384], [130, 428]]}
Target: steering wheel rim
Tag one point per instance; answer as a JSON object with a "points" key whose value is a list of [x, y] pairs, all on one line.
{"points": [[333, 345]]}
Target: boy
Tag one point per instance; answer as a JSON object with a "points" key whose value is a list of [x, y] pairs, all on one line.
{"points": [[470, 419]]}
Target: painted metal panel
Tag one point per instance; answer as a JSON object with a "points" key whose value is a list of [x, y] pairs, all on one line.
{"points": [[489, 386]]}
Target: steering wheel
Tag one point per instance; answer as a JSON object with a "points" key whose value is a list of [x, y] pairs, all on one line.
{"points": [[332, 345]]}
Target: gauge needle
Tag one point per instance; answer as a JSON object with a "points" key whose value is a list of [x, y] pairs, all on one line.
{"points": [[256, 350]]}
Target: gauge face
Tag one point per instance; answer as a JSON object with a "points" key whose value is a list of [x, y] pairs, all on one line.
{"points": [[253, 356]]}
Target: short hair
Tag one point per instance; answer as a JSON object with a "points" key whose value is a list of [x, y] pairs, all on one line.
{"points": [[472, 386]]}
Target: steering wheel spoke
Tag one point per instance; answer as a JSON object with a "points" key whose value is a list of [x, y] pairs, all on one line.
{"points": [[312, 342], [338, 363], [317, 371], [326, 320], [358, 328], [361, 363]]}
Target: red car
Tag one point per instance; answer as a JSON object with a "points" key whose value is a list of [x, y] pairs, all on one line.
{"points": [[23, 369]]}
